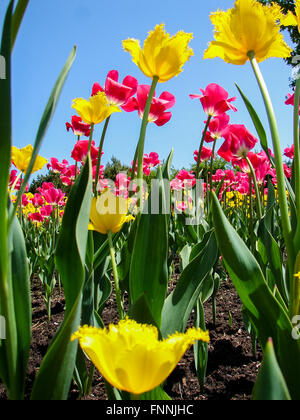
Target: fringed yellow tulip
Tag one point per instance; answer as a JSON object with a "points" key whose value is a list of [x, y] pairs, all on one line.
{"points": [[95, 110], [21, 159], [130, 356], [162, 56], [248, 27], [108, 213], [290, 19]]}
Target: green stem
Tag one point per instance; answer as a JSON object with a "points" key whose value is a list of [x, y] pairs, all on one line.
{"points": [[99, 154], [141, 143], [258, 202], [76, 163], [201, 145], [134, 164], [251, 215], [115, 275], [283, 204], [91, 137], [211, 165]]}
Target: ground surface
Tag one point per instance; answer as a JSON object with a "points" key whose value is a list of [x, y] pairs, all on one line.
{"points": [[232, 369]]}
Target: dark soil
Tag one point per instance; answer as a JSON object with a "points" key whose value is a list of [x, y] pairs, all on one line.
{"points": [[232, 369]]}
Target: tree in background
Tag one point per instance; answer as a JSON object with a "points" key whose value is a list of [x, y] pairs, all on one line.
{"points": [[289, 5]]}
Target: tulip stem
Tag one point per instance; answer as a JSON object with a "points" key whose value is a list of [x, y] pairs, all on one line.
{"points": [[141, 143], [281, 186], [115, 275], [257, 194], [76, 163], [211, 165], [201, 146], [91, 137], [99, 155]]}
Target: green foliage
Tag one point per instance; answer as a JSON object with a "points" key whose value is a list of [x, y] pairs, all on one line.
{"points": [[218, 163], [49, 177], [113, 168]]}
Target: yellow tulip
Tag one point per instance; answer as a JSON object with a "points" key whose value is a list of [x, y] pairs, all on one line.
{"points": [[130, 356], [290, 19], [162, 56], [21, 159], [249, 27], [95, 110], [108, 213]]}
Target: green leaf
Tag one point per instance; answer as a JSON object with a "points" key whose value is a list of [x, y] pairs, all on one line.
{"points": [[17, 19], [9, 347], [270, 384], [266, 313], [257, 123], [151, 250], [140, 312], [54, 377], [22, 299], [270, 248], [157, 394], [179, 304], [166, 168]]}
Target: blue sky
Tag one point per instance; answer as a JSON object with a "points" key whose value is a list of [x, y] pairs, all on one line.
{"points": [[51, 28]]}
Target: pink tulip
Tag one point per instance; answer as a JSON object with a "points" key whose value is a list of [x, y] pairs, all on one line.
{"points": [[12, 179], [37, 200], [158, 107], [80, 151], [117, 93], [25, 200], [187, 178], [36, 217], [217, 128], [289, 152], [176, 185], [214, 100], [46, 211], [205, 154], [79, 127], [54, 196], [56, 166], [238, 142]]}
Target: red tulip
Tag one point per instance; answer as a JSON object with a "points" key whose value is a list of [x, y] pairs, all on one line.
{"points": [[78, 127], [214, 100], [80, 151], [238, 142], [117, 93], [158, 107], [289, 152], [217, 128], [205, 154]]}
